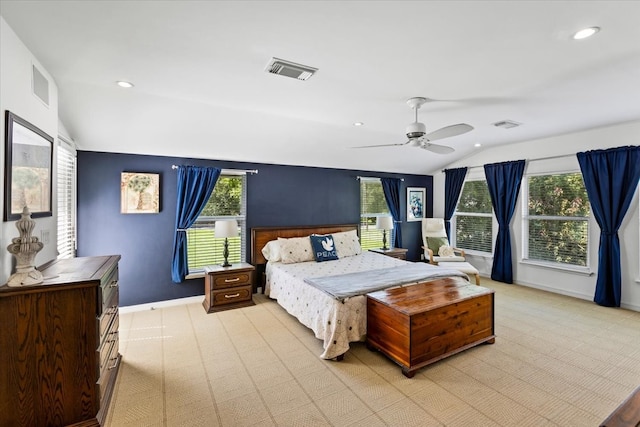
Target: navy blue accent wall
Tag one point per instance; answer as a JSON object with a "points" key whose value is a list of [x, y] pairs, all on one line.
{"points": [[277, 195]]}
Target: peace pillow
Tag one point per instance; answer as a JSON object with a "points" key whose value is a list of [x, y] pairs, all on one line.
{"points": [[324, 247]]}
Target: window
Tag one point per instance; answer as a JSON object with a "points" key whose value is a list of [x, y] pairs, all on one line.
{"points": [[228, 201], [372, 205], [474, 218], [556, 219], [66, 185]]}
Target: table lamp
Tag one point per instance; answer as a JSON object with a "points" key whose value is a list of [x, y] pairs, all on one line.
{"points": [[226, 228], [384, 223]]}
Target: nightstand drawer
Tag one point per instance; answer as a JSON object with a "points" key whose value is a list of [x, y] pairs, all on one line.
{"points": [[238, 278], [230, 296]]}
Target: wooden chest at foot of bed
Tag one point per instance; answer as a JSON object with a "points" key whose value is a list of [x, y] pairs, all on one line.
{"points": [[420, 324]]}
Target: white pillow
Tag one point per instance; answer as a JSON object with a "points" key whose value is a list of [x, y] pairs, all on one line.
{"points": [[271, 251], [445, 251], [296, 249], [347, 243]]}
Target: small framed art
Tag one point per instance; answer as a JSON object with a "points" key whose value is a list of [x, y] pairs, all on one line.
{"points": [[139, 192], [416, 199]]}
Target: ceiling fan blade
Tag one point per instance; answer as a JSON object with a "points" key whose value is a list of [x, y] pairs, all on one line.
{"points": [[383, 145], [438, 149], [449, 131]]}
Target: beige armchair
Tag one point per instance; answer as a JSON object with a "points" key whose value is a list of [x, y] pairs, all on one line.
{"points": [[434, 237]]}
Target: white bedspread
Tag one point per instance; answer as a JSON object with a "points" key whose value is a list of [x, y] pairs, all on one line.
{"points": [[335, 322]]}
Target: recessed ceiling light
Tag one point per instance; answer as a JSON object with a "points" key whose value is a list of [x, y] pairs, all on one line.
{"points": [[122, 83], [477, 144], [587, 32], [358, 124]]}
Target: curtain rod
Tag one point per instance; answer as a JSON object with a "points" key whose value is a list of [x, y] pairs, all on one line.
{"points": [[251, 171], [528, 160], [371, 177]]}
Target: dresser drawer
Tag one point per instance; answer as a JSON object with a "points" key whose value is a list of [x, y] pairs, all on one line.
{"points": [[108, 286], [104, 321], [230, 296], [238, 278], [109, 348], [109, 369]]}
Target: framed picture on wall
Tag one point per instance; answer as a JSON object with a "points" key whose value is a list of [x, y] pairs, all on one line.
{"points": [[28, 166], [139, 192], [416, 203]]}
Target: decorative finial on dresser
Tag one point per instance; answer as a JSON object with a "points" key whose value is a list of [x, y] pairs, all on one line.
{"points": [[25, 249]]}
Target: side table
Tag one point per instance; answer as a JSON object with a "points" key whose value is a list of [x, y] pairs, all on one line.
{"points": [[226, 288], [400, 253]]}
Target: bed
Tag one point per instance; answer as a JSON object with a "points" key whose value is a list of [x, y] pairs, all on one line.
{"points": [[337, 321]]}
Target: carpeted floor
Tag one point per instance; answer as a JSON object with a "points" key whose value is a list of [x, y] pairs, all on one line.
{"points": [[557, 361]]}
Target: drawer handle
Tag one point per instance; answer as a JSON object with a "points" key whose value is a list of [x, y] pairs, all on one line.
{"points": [[115, 365], [113, 284], [232, 296], [237, 279]]}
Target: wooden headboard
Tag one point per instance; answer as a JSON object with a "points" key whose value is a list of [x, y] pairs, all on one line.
{"points": [[261, 235]]}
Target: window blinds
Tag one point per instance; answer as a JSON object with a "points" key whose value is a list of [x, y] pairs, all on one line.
{"points": [[372, 205], [66, 186]]}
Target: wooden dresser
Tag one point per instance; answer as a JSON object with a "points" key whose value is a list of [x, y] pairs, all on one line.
{"points": [[59, 345]]}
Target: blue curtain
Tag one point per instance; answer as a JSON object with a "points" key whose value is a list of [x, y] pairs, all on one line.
{"points": [[195, 185], [453, 182], [610, 177], [391, 188], [503, 180]]}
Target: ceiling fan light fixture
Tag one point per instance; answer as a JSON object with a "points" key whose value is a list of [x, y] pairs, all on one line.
{"points": [[585, 32], [416, 130]]}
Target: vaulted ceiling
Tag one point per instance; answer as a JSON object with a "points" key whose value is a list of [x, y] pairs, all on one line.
{"points": [[201, 90]]}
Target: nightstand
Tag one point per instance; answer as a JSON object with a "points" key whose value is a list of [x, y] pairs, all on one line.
{"points": [[400, 253], [228, 287]]}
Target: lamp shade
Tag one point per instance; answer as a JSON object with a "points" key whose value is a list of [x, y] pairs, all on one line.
{"points": [[384, 223], [226, 228]]}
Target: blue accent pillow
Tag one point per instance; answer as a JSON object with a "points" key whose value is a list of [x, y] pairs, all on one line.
{"points": [[324, 247]]}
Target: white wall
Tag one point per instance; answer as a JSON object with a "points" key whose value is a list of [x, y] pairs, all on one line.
{"points": [[569, 283], [17, 96]]}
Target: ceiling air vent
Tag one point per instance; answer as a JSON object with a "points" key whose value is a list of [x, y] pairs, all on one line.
{"points": [[506, 124], [290, 69]]}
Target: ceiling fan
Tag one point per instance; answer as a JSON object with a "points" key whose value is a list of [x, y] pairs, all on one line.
{"points": [[417, 135]]}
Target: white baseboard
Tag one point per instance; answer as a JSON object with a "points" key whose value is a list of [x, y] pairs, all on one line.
{"points": [[161, 304], [587, 297], [579, 295]]}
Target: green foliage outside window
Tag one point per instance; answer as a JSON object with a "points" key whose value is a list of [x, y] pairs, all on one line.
{"points": [[226, 199], [558, 211], [475, 197]]}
